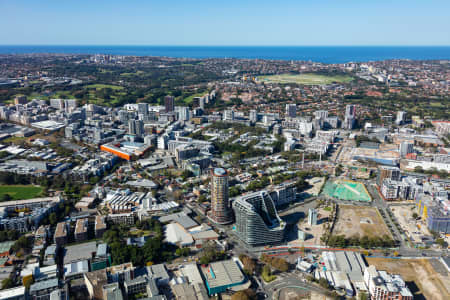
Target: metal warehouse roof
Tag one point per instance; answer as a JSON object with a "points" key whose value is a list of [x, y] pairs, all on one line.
{"points": [[181, 218], [76, 267], [41, 285], [223, 273]]}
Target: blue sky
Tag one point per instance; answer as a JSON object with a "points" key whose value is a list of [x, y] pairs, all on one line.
{"points": [[225, 22]]}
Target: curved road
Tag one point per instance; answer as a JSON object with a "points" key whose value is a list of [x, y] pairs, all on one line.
{"points": [[289, 280]]}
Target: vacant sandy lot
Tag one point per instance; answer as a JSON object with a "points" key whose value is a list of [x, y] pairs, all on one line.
{"points": [[293, 293], [316, 184], [314, 232], [431, 285], [360, 220], [317, 296]]}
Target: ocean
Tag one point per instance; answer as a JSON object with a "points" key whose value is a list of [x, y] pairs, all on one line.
{"points": [[324, 54]]}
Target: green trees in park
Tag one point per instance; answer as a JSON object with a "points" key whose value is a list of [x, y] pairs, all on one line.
{"points": [[183, 251], [155, 250], [210, 254], [9, 235], [364, 242], [277, 263], [248, 263], [247, 294]]}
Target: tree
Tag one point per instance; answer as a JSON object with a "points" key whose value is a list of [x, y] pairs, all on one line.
{"points": [[7, 283], [210, 254], [247, 294], [201, 199], [434, 234], [12, 235], [280, 264], [441, 242], [338, 170], [67, 210], [265, 258], [248, 263], [53, 218], [186, 174], [363, 296], [363, 138], [234, 191], [323, 282], [418, 169], [110, 236], [183, 251], [267, 273], [22, 243], [415, 215], [94, 180], [5, 197]]}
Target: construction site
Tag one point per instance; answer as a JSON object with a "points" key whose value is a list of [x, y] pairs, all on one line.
{"points": [[360, 221], [386, 154], [347, 191], [316, 184], [416, 230], [313, 232], [426, 278]]}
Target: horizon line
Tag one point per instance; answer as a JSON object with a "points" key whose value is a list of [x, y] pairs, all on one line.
{"points": [[161, 45]]}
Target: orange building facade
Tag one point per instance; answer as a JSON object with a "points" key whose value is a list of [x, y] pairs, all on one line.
{"points": [[116, 151]]}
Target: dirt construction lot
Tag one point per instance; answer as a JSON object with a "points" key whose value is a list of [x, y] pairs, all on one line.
{"points": [[360, 220], [313, 232], [419, 274], [412, 228]]}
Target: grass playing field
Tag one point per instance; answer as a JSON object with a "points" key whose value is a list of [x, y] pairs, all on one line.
{"points": [[306, 79], [190, 98], [103, 86], [20, 192]]}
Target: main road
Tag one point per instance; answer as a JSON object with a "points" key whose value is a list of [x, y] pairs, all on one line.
{"points": [[289, 280]]}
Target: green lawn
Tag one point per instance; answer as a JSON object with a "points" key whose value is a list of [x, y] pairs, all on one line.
{"points": [[306, 79], [20, 192], [188, 100], [139, 232], [103, 86], [268, 278], [14, 139], [127, 74]]}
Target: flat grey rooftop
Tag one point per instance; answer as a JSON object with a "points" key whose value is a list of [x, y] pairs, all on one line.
{"points": [[79, 252], [181, 218]]}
